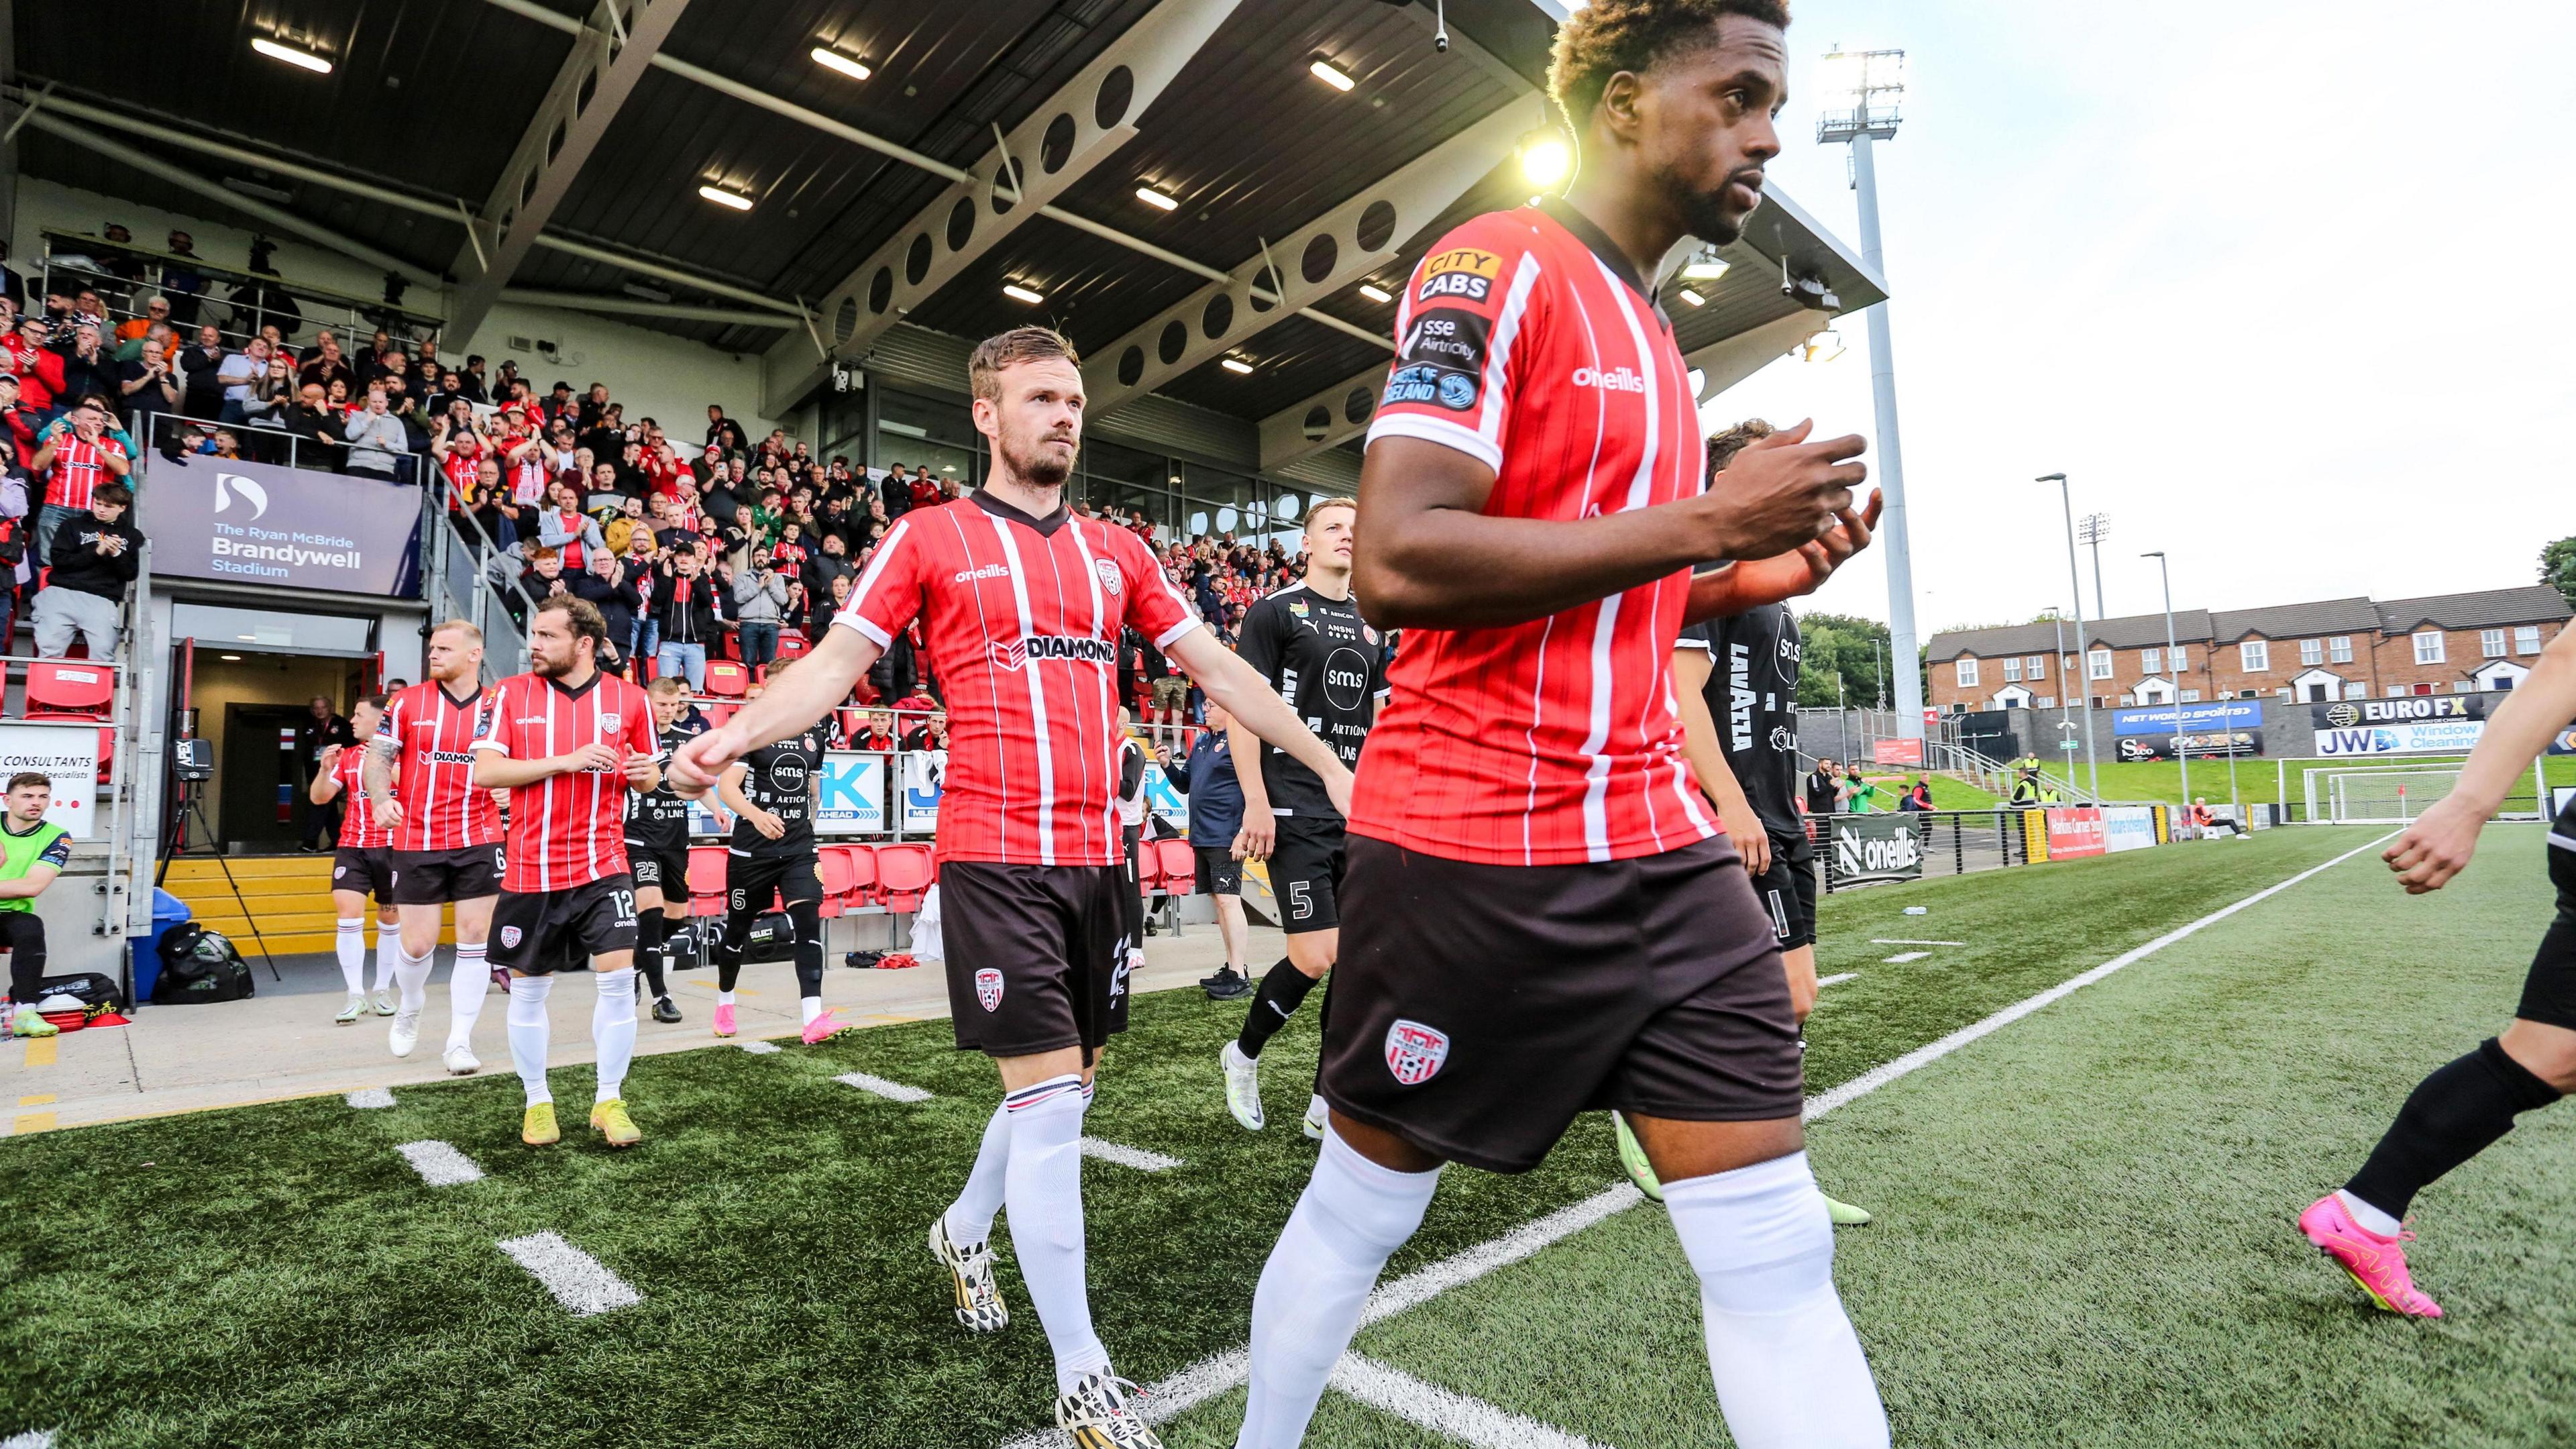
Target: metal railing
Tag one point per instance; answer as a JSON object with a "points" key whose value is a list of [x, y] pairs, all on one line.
{"points": [[73, 263]]}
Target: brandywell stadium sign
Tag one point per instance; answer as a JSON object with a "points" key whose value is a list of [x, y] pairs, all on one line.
{"points": [[297, 528]]}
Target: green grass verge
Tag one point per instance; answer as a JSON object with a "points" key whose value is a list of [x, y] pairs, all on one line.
{"points": [[2258, 781], [2084, 1232], [278, 1275]]}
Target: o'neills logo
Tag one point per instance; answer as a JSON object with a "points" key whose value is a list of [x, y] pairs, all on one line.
{"points": [[1618, 379], [1041, 647], [988, 571]]}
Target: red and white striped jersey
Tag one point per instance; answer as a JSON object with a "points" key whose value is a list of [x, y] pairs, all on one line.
{"points": [[1022, 617], [429, 734], [358, 828], [1526, 340], [569, 829], [79, 467], [463, 459]]}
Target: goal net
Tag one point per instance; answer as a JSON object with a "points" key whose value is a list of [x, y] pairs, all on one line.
{"points": [[2383, 796]]}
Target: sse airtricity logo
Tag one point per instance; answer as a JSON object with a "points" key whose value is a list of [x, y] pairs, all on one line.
{"points": [[227, 485]]}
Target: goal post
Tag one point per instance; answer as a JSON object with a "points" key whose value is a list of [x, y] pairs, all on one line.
{"points": [[2380, 795]]}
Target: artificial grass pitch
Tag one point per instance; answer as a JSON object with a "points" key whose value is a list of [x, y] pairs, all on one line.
{"points": [[2043, 1271]]}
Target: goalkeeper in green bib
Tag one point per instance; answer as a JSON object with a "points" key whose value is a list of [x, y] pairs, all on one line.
{"points": [[33, 850]]}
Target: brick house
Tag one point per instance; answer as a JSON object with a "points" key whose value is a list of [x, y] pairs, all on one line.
{"points": [[2332, 649]]}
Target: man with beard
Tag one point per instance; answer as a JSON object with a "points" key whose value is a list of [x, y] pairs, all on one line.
{"points": [[446, 847], [1539, 915], [1021, 603], [568, 741]]}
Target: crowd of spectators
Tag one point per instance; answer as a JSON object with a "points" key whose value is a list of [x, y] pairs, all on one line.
{"points": [[693, 549]]}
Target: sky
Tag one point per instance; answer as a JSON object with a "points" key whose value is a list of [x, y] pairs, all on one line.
{"points": [[2277, 284]]}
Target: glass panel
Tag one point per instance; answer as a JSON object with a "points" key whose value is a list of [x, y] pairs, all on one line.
{"points": [[211, 624], [913, 431], [1121, 480]]}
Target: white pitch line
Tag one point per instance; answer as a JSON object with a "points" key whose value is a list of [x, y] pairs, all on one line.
{"points": [[1135, 1157], [1215, 1374], [1892, 941], [1838, 979], [757, 1047], [891, 1091], [368, 1097], [31, 1439], [1923, 1056], [1901, 957], [578, 1281], [440, 1164], [1452, 1415]]}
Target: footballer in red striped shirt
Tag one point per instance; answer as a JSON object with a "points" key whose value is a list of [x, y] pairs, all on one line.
{"points": [[1540, 915], [361, 866], [1021, 603], [568, 740], [446, 833]]}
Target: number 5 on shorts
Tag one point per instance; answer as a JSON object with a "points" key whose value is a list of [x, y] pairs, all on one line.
{"points": [[1299, 905]]}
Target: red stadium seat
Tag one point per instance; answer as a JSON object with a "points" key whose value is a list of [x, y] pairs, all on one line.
{"points": [[706, 880], [1180, 865], [792, 644], [717, 713], [834, 869], [106, 737], [904, 875], [861, 863], [55, 687], [851, 719], [727, 679]]}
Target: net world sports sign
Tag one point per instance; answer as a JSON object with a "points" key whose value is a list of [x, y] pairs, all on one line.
{"points": [[296, 528], [1872, 849], [2208, 716]]}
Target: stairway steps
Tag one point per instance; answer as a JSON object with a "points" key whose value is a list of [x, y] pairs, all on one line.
{"points": [[246, 868]]}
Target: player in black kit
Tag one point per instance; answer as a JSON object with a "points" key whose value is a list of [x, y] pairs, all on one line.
{"points": [[1309, 642], [771, 792], [657, 848], [1737, 682]]}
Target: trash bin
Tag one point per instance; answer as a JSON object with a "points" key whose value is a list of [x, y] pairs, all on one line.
{"points": [[167, 911]]}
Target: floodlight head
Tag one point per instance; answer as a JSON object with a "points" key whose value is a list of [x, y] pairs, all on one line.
{"points": [[2154, 553], [1863, 95], [2050, 478]]}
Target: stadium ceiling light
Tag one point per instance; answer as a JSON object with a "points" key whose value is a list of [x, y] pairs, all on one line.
{"points": [[1237, 366], [229, 658], [290, 55], [1374, 292], [1704, 268], [722, 197], [1018, 293], [1156, 199], [850, 66], [1545, 158], [1332, 75], [1694, 298], [1824, 345]]}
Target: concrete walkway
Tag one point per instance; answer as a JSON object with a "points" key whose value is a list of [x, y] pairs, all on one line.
{"points": [[283, 1043]]}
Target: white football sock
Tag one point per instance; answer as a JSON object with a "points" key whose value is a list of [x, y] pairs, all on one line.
{"points": [[1789, 1369], [809, 1007], [1351, 1216], [349, 941], [388, 954], [724, 998], [467, 984], [1042, 1184], [2370, 1217], [970, 1218], [528, 1033], [411, 976], [612, 1028]]}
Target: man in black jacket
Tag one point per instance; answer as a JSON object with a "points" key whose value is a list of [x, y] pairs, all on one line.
{"points": [[94, 559], [685, 611], [321, 441], [603, 581]]}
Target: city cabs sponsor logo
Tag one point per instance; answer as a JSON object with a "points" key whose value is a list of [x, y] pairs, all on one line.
{"points": [[1459, 272]]}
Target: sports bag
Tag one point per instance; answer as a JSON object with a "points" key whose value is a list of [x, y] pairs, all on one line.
{"points": [[198, 965]]}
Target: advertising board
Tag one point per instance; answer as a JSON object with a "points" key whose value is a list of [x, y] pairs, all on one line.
{"points": [[2075, 831]]}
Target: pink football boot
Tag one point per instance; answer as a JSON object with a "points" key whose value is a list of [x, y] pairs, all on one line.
{"points": [[2378, 1264], [823, 1028], [724, 1019]]}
